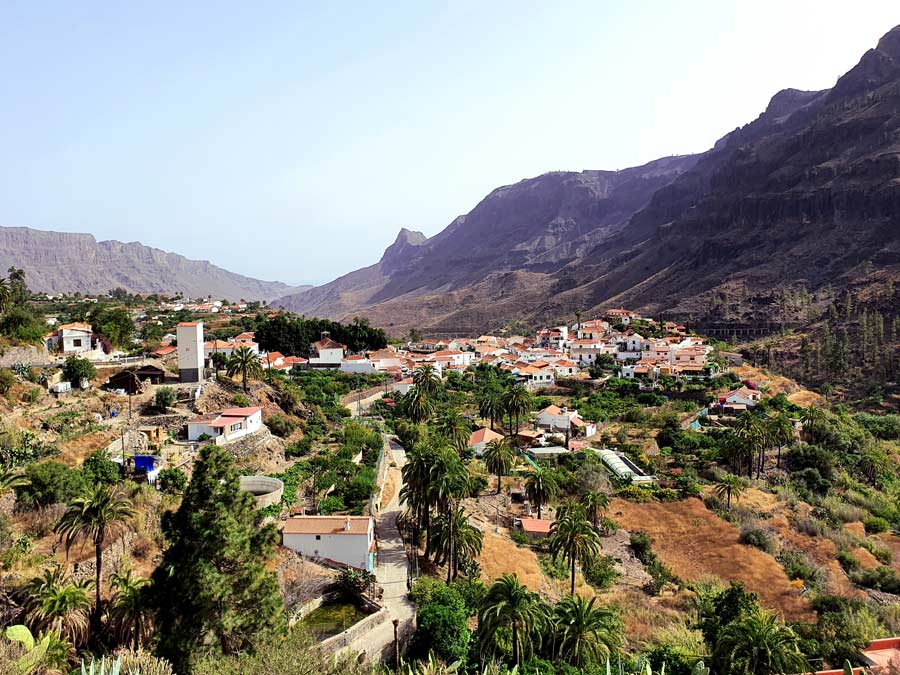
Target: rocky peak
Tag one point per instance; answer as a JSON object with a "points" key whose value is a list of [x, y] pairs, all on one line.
{"points": [[405, 246], [876, 67]]}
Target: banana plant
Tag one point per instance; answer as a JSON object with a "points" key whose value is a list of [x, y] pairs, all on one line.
{"points": [[35, 651]]}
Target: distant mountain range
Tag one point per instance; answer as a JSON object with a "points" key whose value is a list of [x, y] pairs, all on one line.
{"points": [[60, 262], [807, 195]]}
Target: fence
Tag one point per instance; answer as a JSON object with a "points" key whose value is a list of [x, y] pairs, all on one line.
{"points": [[381, 466]]}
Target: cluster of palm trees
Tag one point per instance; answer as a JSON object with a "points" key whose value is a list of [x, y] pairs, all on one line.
{"points": [[62, 607], [577, 631], [754, 436], [435, 481], [512, 402]]}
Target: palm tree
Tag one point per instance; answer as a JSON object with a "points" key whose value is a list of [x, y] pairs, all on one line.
{"points": [[5, 294], [91, 516], [455, 539], [416, 475], [750, 435], [245, 363], [417, 405], [499, 459], [454, 428], [57, 604], [540, 488], [511, 605], [729, 486], [517, 402], [573, 538], [10, 479], [490, 404], [757, 644], [813, 418], [596, 502], [585, 634], [129, 607], [781, 433], [427, 379]]}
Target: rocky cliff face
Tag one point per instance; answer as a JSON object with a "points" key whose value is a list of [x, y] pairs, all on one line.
{"points": [[808, 194], [57, 262]]}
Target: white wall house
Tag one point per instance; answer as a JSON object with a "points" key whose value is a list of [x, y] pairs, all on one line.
{"points": [[71, 338], [190, 350], [348, 540], [480, 438], [226, 426], [227, 347], [403, 386], [742, 396], [326, 353]]}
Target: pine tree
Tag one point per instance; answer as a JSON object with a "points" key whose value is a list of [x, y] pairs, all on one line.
{"points": [[212, 590]]}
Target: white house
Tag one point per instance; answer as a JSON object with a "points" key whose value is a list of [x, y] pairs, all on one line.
{"points": [[226, 426], [554, 418], [537, 377], [227, 347], [742, 396], [348, 540], [565, 368], [480, 438], [326, 353], [71, 338]]}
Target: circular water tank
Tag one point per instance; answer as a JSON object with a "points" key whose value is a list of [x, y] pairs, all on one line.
{"points": [[266, 490]]}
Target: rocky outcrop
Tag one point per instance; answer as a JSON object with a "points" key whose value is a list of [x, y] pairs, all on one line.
{"points": [[61, 262]]}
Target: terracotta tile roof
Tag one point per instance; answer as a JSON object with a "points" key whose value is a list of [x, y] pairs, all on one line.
{"points": [[536, 526], [240, 412], [358, 525], [188, 323], [483, 435], [327, 343], [76, 326]]}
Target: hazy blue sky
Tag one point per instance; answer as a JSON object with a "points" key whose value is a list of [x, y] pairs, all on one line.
{"points": [[292, 140]]}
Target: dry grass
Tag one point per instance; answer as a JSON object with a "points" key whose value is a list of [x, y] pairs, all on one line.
{"points": [[776, 384], [500, 555], [695, 543]]}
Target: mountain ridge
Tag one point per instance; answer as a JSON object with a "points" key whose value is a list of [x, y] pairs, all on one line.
{"points": [[66, 262], [800, 196]]}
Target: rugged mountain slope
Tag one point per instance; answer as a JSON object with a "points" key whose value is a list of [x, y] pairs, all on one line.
{"points": [[536, 226], [58, 262]]}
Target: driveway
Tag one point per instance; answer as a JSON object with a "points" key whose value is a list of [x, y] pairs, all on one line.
{"points": [[391, 574]]}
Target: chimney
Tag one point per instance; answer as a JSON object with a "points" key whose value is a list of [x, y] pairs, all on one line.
{"points": [[326, 334], [346, 524]]}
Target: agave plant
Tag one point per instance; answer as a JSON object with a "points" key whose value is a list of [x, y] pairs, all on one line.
{"points": [[102, 668]]}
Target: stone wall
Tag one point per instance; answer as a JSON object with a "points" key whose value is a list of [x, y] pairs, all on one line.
{"points": [[36, 356], [356, 631], [113, 557]]}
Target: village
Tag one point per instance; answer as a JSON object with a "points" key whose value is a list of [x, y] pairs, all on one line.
{"points": [[623, 419]]}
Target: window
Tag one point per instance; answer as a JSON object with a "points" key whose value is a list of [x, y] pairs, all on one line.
{"points": [[235, 427], [318, 537], [76, 342]]}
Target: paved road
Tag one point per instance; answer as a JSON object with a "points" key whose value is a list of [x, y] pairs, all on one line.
{"points": [[391, 574]]}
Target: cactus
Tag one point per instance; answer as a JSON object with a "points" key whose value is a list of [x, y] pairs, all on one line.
{"points": [[101, 668], [34, 650]]}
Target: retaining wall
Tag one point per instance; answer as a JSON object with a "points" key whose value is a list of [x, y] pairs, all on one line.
{"points": [[36, 356]]}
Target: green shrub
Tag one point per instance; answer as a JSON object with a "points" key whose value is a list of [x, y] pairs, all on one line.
{"points": [[874, 525], [50, 483], [878, 549], [331, 504], [758, 537], [797, 565], [78, 369], [165, 398], [634, 493], [99, 468], [172, 480], [640, 544], [601, 572], [33, 395], [554, 568], [848, 561], [281, 425], [882, 578], [7, 380], [241, 401], [667, 495]]}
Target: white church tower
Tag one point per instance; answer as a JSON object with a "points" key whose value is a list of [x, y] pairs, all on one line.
{"points": [[190, 350]]}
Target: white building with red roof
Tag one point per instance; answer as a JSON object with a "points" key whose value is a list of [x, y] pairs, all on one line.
{"points": [[346, 540], [226, 426], [480, 438], [326, 353], [71, 338]]}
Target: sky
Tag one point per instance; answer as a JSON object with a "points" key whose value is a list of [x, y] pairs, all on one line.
{"points": [[292, 140]]}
